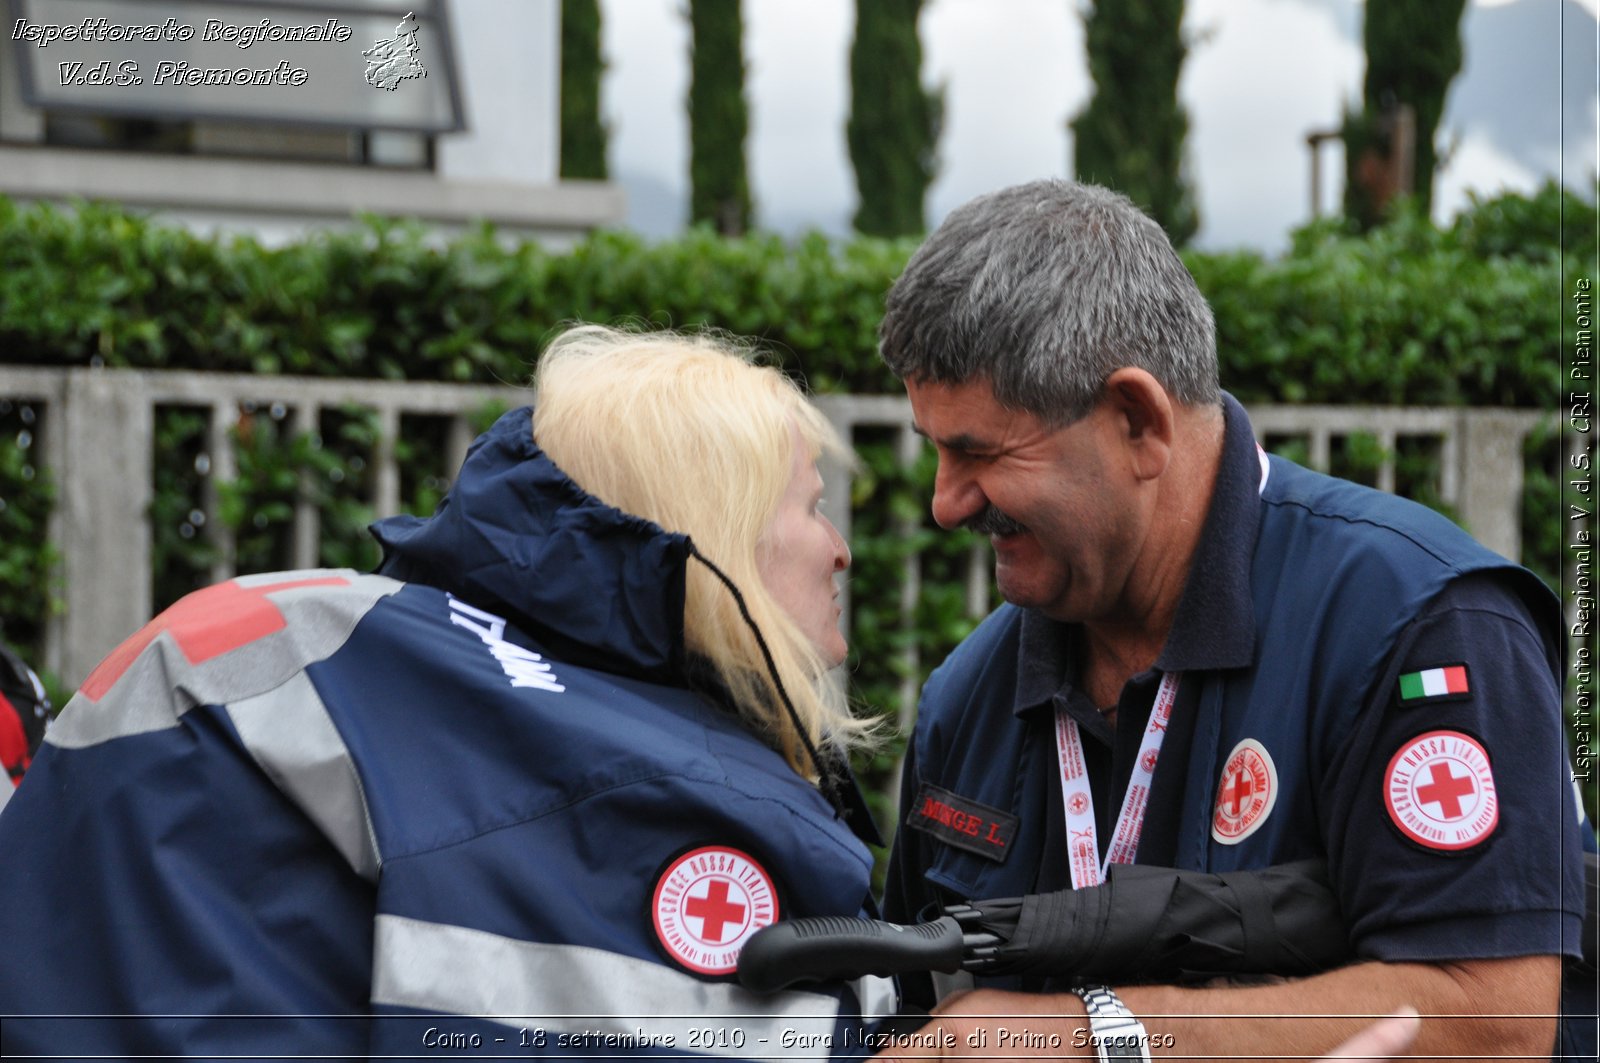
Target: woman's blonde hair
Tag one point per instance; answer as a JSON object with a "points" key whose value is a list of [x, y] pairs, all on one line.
{"points": [[685, 431]]}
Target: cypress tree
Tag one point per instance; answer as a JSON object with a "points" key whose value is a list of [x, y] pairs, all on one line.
{"points": [[1130, 136], [583, 131], [719, 187], [893, 129], [1413, 53]]}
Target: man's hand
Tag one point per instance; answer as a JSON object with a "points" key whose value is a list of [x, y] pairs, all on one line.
{"points": [[1380, 1042]]}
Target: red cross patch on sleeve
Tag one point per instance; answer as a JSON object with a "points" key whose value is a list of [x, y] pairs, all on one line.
{"points": [[707, 903], [1439, 790]]}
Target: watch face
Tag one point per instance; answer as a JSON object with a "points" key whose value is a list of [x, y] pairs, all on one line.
{"points": [[1128, 1047]]}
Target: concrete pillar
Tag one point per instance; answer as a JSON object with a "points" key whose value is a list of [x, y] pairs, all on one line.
{"points": [[104, 475], [1490, 502]]}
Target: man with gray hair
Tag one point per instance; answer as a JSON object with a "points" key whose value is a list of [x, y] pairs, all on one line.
{"points": [[1215, 660]]}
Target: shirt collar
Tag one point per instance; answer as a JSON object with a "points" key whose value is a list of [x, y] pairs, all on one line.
{"points": [[1214, 627]]}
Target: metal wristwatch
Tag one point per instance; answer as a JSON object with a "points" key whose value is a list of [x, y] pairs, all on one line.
{"points": [[1118, 1036]]}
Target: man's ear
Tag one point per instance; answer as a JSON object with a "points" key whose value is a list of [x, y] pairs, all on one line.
{"points": [[1146, 420]]}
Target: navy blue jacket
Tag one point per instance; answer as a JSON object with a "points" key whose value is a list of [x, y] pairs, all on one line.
{"points": [[470, 801]]}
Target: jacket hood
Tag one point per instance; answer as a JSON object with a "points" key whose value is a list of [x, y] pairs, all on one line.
{"points": [[516, 536]]}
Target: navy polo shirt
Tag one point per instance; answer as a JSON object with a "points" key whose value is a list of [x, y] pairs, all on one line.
{"points": [[1213, 629], [1515, 889]]}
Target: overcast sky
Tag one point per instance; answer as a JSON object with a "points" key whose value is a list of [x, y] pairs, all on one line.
{"points": [[1260, 75]]}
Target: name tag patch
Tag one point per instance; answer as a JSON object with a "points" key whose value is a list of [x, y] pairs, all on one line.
{"points": [[963, 823]]}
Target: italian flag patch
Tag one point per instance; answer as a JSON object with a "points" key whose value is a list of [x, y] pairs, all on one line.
{"points": [[1449, 681]]}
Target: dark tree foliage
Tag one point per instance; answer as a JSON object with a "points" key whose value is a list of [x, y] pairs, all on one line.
{"points": [[719, 121], [1413, 53], [893, 129], [583, 131], [1130, 137]]}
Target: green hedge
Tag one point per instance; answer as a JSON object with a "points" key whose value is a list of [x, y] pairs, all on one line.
{"points": [[1410, 313]]}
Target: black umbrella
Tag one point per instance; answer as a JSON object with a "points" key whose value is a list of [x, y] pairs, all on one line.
{"points": [[1153, 922], [1141, 924]]}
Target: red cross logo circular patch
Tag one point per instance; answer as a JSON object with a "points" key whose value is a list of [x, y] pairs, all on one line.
{"points": [[1079, 803], [706, 905], [1246, 793], [1440, 791]]}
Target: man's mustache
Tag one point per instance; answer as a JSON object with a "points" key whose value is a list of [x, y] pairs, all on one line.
{"points": [[993, 522]]}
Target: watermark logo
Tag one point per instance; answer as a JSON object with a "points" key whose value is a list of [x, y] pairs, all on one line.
{"points": [[393, 60]]}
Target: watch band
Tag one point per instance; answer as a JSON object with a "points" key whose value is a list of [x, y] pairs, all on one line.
{"points": [[1118, 1036]]}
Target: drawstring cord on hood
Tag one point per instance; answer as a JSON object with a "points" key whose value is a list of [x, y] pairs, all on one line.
{"points": [[826, 780]]}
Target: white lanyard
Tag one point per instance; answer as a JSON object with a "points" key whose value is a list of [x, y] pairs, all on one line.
{"points": [[1083, 840], [1083, 837]]}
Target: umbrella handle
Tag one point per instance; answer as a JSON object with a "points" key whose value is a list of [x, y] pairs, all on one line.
{"points": [[836, 947]]}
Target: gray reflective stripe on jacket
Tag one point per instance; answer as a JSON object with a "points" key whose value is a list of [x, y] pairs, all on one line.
{"points": [[572, 989], [263, 687], [161, 684], [289, 733]]}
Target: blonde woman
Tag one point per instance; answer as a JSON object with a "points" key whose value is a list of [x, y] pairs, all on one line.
{"points": [[528, 789]]}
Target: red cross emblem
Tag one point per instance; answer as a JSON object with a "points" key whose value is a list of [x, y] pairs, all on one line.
{"points": [[1239, 789], [1149, 760], [1079, 804], [706, 904], [1247, 792], [1439, 790], [1446, 789], [205, 624], [715, 911]]}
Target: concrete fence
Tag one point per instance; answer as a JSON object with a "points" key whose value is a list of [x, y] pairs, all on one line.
{"points": [[94, 430]]}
